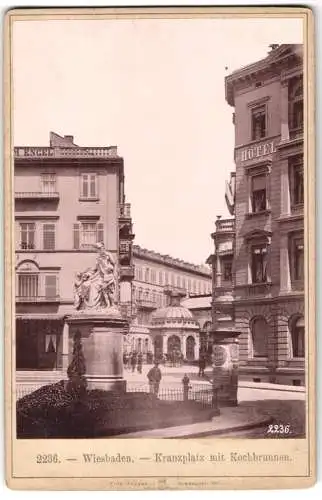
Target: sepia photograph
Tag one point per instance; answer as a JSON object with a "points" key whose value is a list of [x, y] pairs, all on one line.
{"points": [[159, 247]]}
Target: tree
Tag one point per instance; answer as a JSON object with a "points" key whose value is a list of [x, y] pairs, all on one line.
{"points": [[76, 371]]}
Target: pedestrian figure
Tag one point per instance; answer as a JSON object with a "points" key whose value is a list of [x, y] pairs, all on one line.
{"points": [[125, 360], [140, 362], [202, 366], [133, 361], [154, 377]]}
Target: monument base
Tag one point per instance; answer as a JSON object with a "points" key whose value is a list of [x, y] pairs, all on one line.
{"points": [[106, 383], [102, 341]]}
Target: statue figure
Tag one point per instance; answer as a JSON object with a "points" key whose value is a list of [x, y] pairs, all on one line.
{"points": [[94, 288]]}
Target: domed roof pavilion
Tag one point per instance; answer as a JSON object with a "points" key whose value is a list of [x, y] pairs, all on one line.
{"points": [[174, 330]]}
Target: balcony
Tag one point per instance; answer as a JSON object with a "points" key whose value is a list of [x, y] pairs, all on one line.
{"points": [[127, 272], [37, 299], [146, 304], [125, 211], [253, 290], [225, 225], [36, 195], [258, 289]]}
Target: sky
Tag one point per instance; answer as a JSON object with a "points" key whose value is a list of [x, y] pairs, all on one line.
{"points": [[155, 88]]}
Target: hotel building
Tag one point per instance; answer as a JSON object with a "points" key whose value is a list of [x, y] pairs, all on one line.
{"points": [[258, 265], [67, 199]]}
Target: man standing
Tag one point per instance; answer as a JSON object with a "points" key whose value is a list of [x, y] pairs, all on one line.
{"points": [[202, 366], [133, 361], [140, 362], [154, 377]]}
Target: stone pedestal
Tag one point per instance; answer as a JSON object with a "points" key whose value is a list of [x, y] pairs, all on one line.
{"points": [[225, 361], [102, 341]]}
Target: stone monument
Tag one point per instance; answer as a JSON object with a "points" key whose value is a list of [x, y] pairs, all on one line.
{"points": [[98, 320]]}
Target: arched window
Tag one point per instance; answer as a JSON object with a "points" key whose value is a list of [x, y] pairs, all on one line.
{"points": [[297, 328], [146, 345], [28, 280], [190, 348], [260, 332]]}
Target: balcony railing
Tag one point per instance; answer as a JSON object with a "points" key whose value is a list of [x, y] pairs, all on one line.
{"points": [[296, 133], [147, 303], [72, 152], [36, 195], [125, 210], [259, 289], [37, 299], [126, 271], [225, 225]]}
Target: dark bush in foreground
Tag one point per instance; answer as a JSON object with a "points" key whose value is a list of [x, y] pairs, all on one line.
{"points": [[54, 412]]}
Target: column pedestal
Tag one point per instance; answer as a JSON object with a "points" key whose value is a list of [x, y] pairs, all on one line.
{"points": [[102, 341], [225, 361]]}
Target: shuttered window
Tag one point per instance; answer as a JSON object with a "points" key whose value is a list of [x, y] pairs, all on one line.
{"points": [[89, 185], [49, 236], [50, 286]]}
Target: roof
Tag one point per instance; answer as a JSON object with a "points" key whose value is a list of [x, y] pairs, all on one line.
{"points": [[172, 312], [144, 253], [64, 148], [276, 56]]}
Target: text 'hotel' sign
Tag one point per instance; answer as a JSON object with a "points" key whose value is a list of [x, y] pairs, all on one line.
{"points": [[256, 151]]}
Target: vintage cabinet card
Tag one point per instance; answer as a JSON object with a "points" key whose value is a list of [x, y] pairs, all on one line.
{"points": [[160, 265]]}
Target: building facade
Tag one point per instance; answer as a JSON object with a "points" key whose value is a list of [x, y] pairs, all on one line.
{"points": [[264, 297], [67, 199], [156, 275]]}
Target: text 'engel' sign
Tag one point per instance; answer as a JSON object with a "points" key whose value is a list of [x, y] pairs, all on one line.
{"points": [[257, 151]]}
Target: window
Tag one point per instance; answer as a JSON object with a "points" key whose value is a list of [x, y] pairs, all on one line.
{"points": [[28, 285], [227, 269], [258, 122], [146, 345], [184, 283], [260, 332], [153, 276], [258, 193], [160, 277], [87, 234], [140, 273], [49, 236], [48, 183], [259, 264], [50, 286], [27, 235], [89, 187], [147, 275], [297, 259], [173, 280], [298, 338], [297, 183], [178, 282], [166, 278], [296, 103]]}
